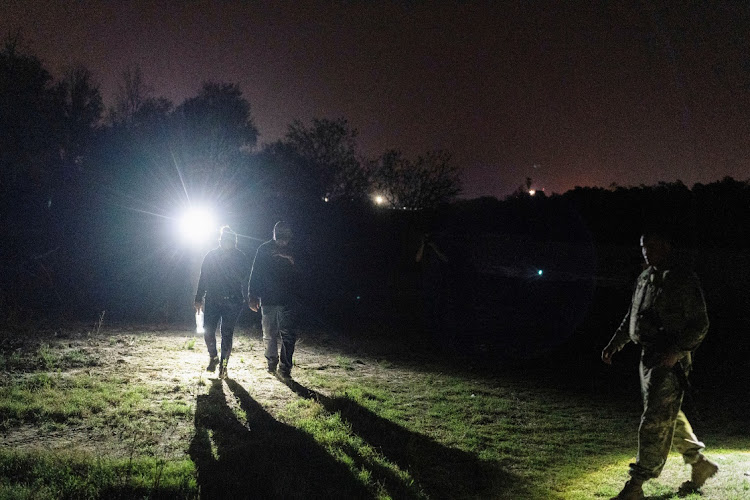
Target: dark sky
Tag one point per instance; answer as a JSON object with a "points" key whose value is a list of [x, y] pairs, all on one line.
{"points": [[567, 93]]}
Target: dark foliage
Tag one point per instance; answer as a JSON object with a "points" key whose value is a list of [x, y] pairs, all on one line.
{"points": [[88, 211]]}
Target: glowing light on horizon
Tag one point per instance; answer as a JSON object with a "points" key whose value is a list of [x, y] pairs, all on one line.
{"points": [[379, 199]]}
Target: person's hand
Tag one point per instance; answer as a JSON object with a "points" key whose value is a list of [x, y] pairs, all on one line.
{"points": [[607, 354], [670, 359], [198, 306], [253, 303]]}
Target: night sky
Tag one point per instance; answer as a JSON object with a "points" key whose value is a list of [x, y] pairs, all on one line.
{"points": [[567, 93]]}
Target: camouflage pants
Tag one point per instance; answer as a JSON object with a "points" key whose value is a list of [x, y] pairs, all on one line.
{"points": [[663, 424]]}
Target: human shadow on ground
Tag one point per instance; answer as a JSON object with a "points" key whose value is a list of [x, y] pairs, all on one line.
{"points": [[438, 470], [261, 457]]}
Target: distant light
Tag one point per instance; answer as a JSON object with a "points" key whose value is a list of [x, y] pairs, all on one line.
{"points": [[532, 192], [379, 199], [540, 272], [198, 225], [326, 199]]}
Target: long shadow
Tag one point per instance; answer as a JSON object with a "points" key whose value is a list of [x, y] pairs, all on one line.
{"points": [[261, 458], [438, 471]]}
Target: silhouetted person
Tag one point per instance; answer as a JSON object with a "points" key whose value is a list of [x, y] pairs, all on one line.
{"points": [[439, 292], [220, 294], [667, 318], [274, 280]]}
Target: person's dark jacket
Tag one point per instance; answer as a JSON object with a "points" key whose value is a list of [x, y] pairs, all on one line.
{"points": [[223, 275], [274, 279]]}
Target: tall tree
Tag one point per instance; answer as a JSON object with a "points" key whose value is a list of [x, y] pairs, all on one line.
{"points": [[214, 134], [29, 119], [326, 158], [132, 93], [82, 111], [427, 182]]}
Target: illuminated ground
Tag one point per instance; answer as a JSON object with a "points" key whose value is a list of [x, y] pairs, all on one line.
{"points": [[353, 422]]}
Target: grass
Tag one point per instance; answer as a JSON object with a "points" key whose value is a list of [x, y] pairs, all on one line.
{"points": [[118, 414], [33, 475]]}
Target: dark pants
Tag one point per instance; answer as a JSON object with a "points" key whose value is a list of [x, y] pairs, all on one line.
{"points": [[224, 313], [278, 321]]}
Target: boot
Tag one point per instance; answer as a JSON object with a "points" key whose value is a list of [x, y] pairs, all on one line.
{"points": [[212, 364], [702, 470], [223, 369], [633, 490]]}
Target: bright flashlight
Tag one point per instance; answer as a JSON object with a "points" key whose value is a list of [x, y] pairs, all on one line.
{"points": [[197, 225], [379, 200]]}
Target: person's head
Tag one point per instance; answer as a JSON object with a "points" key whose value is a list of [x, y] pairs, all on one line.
{"points": [[656, 247], [227, 238], [282, 233]]}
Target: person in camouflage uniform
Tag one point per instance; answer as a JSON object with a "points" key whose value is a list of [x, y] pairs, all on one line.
{"points": [[667, 318]]}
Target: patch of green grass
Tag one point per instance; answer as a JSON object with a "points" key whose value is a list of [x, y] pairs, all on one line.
{"points": [[44, 397], [365, 462], [52, 475], [177, 409], [547, 438], [47, 358], [190, 344], [77, 358], [345, 363]]}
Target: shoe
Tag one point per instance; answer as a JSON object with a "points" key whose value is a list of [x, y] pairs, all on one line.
{"points": [[702, 470], [633, 490], [212, 364], [223, 369], [284, 373], [271, 368]]}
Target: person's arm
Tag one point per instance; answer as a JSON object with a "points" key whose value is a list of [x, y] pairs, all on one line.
{"points": [[618, 340], [201, 291], [244, 274], [255, 282]]}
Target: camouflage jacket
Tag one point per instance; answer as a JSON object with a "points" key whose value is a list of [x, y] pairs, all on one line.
{"points": [[667, 313]]}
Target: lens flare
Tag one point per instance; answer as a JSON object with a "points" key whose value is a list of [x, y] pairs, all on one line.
{"points": [[197, 225]]}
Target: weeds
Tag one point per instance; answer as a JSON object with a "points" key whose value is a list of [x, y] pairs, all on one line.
{"points": [[344, 363], [98, 325], [80, 475], [190, 344], [47, 358]]}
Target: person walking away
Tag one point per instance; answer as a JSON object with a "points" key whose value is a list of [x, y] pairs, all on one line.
{"points": [[667, 319], [274, 281], [220, 295]]}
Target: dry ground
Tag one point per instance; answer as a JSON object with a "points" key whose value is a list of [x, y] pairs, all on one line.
{"points": [[172, 363]]}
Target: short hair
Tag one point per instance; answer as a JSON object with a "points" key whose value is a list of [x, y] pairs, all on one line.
{"points": [[282, 230], [226, 232]]}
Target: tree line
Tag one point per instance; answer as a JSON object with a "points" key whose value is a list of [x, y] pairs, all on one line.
{"points": [[85, 189]]}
